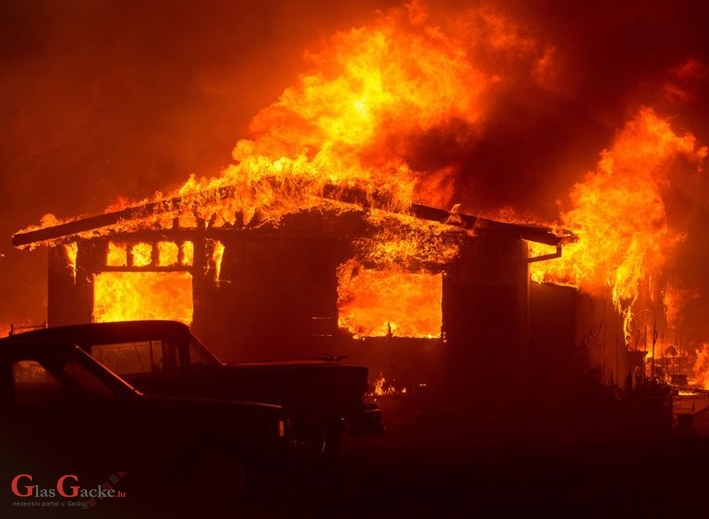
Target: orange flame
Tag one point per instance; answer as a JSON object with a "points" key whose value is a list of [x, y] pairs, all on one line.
{"points": [[117, 255], [353, 124], [701, 366], [382, 387], [71, 250], [348, 124], [394, 286], [391, 302], [142, 254], [120, 296], [619, 215], [168, 253], [217, 256], [357, 118]]}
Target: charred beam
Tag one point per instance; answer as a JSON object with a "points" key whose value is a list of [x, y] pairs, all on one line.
{"points": [[546, 257], [473, 223], [192, 203], [148, 268], [173, 205]]}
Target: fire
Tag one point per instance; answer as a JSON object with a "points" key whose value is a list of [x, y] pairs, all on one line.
{"points": [[216, 262], [407, 242], [394, 287], [188, 253], [701, 366], [117, 255], [382, 303], [350, 125], [384, 387], [356, 120], [121, 296], [71, 250], [168, 253], [619, 215], [142, 254]]}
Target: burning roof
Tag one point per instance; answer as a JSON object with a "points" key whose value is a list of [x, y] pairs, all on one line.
{"points": [[184, 213]]}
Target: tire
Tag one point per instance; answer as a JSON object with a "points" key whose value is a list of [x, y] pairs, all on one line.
{"points": [[218, 477], [316, 443]]}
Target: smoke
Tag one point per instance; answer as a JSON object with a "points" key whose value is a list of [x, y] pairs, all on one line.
{"points": [[106, 99]]}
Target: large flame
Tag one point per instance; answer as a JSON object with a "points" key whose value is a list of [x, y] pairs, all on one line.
{"points": [[619, 214], [121, 296], [357, 119], [700, 368], [351, 125], [394, 286], [391, 302]]}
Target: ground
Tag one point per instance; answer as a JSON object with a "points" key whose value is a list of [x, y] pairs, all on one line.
{"points": [[423, 470], [458, 467]]}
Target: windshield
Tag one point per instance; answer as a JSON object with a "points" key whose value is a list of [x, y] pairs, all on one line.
{"points": [[137, 357], [201, 355], [42, 379], [103, 374]]}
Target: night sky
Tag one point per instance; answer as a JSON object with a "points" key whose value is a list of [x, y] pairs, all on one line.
{"points": [[109, 99]]}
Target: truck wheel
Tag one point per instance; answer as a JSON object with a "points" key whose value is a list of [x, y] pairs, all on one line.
{"points": [[312, 439], [218, 476]]}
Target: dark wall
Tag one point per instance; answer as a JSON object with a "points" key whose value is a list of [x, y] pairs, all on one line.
{"points": [[277, 297], [70, 292], [555, 354], [485, 313]]}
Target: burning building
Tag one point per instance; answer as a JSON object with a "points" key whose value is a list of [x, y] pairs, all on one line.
{"points": [[411, 295], [321, 237]]}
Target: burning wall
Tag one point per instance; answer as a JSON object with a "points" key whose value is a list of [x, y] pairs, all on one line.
{"points": [[629, 226], [303, 287]]}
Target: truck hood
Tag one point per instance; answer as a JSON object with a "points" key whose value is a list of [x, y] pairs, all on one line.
{"points": [[288, 383]]}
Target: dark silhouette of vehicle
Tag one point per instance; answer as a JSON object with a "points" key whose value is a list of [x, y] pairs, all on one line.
{"points": [[323, 397], [62, 413]]}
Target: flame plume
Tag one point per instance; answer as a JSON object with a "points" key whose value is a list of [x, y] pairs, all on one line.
{"points": [[620, 216]]}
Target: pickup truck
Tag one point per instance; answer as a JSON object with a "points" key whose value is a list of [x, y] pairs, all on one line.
{"points": [[323, 397], [68, 423]]}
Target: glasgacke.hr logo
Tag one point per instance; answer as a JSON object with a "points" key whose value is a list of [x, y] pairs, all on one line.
{"points": [[67, 487]]}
